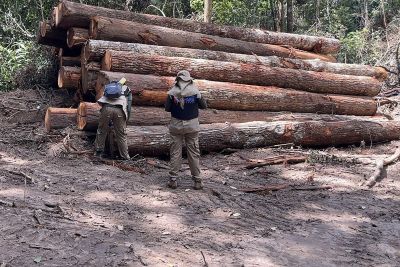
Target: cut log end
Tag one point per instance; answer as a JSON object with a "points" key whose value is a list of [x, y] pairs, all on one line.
{"points": [[76, 37], [57, 118], [69, 77], [106, 63], [81, 116], [93, 28]]}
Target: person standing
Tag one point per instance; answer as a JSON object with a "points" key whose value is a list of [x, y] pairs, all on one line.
{"points": [[184, 101], [115, 110]]}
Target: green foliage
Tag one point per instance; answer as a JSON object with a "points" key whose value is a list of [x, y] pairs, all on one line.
{"points": [[23, 56]]}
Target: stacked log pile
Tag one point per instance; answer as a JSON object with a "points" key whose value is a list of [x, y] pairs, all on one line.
{"points": [[263, 88]]}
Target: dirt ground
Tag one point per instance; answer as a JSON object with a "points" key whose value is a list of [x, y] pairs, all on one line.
{"points": [[72, 210]]}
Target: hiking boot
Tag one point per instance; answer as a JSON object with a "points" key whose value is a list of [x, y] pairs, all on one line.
{"points": [[172, 183], [198, 184]]}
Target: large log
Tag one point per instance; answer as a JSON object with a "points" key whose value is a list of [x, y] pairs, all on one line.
{"points": [[152, 90], [76, 37], [70, 62], [89, 75], [69, 14], [57, 118], [318, 82], [155, 140], [94, 50], [69, 77], [50, 36], [132, 32], [89, 114]]}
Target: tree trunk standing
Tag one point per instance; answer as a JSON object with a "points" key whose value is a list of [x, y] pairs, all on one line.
{"points": [[89, 114], [254, 74], [155, 140], [69, 77], [289, 16], [207, 11], [186, 8], [70, 14], [317, 4], [58, 118], [282, 14], [132, 32], [152, 90], [94, 50], [273, 15]]}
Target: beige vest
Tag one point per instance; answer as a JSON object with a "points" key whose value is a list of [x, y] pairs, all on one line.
{"points": [[120, 101]]}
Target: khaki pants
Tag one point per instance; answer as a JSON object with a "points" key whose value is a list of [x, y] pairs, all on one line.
{"points": [[193, 154], [117, 117]]}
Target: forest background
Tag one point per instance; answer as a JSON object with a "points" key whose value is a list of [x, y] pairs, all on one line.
{"points": [[369, 30]]}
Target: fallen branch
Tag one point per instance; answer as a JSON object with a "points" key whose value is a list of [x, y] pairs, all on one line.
{"points": [[26, 176], [204, 259], [277, 187], [276, 160], [380, 166], [6, 203]]}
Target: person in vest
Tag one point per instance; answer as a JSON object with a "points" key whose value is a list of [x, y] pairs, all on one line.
{"points": [[115, 111], [184, 101]]}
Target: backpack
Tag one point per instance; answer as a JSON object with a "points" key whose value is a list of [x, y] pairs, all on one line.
{"points": [[113, 90]]}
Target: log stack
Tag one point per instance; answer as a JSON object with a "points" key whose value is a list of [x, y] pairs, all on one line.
{"points": [[262, 88]]}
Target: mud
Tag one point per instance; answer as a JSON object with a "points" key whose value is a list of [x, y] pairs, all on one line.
{"points": [[73, 210]]}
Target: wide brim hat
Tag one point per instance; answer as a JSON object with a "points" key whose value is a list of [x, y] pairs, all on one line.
{"points": [[184, 75]]}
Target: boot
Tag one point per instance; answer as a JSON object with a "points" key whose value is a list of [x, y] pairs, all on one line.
{"points": [[198, 184], [172, 183]]}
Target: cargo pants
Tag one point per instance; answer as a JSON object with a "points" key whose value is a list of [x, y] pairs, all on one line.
{"points": [[115, 115], [193, 154]]}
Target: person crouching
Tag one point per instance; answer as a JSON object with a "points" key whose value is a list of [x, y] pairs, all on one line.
{"points": [[184, 101]]}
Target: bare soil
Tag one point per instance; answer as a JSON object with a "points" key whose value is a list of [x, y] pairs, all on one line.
{"points": [[63, 209]]}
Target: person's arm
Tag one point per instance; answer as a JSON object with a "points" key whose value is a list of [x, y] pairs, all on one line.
{"points": [[168, 103], [202, 103]]}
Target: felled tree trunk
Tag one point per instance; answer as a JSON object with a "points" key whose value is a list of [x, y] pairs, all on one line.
{"points": [[70, 61], [69, 77], [155, 140], [50, 36], [132, 32], [318, 82], [69, 14], [152, 90], [58, 118], [89, 76], [89, 114], [76, 37], [94, 50]]}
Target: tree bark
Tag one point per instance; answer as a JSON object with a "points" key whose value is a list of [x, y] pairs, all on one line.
{"points": [[89, 114], [69, 77], [57, 118], [289, 14], [132, 32], [155, 140], [77, 37], [207, 11], [94, 50], [69, 14], [89, 76], [70, 62], [50, 36], [318, 82], [152, 90]]}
